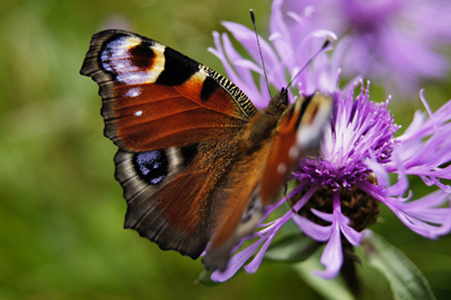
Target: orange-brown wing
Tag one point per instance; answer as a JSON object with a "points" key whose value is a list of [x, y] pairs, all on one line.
{"points": [[241, 210], [298, 133], [168, 193], [175, 122], [155, 97]]}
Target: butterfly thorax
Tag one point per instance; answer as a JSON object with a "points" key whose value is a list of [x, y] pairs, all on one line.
{"points": [[262, 126]]}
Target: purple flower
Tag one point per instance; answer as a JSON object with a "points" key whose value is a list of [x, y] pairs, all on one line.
{"points": [[395, 42], [337, 194], [294, 44]]}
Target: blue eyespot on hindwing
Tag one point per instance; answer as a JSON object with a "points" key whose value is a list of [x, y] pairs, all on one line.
{"points": [[151, 166]]}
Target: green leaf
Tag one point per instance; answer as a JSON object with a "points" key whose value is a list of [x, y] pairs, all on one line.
{"points": [[333, 289], [292, 248], [205, 279], [405, 279]]}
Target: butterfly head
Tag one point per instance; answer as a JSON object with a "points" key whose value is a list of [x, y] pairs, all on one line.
{"points": [[279, 103]]}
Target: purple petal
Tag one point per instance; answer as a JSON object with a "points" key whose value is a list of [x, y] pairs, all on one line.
{"points": [[236, 262], [353, 236], [332, 257], [255, 263], [317, 232]]}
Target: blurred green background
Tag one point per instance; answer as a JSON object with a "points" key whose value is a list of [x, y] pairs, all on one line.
{"points": [[62, 212]]}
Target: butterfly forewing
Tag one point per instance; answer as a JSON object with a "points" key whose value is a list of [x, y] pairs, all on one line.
{"points": [[298, 134], [155, 97]]}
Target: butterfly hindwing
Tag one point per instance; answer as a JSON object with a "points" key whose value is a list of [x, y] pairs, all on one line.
{"points": [[167, 201]]}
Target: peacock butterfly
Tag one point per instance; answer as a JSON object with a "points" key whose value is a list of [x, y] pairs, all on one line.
{"points": [[197, 161]]}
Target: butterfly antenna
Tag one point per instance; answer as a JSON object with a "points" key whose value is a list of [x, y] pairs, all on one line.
{"points": [[260, 50], [324, 46]]}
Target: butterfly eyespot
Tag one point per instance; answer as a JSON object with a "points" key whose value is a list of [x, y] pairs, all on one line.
{"points": [[151, 166], [142, 56], [132, 61]]}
